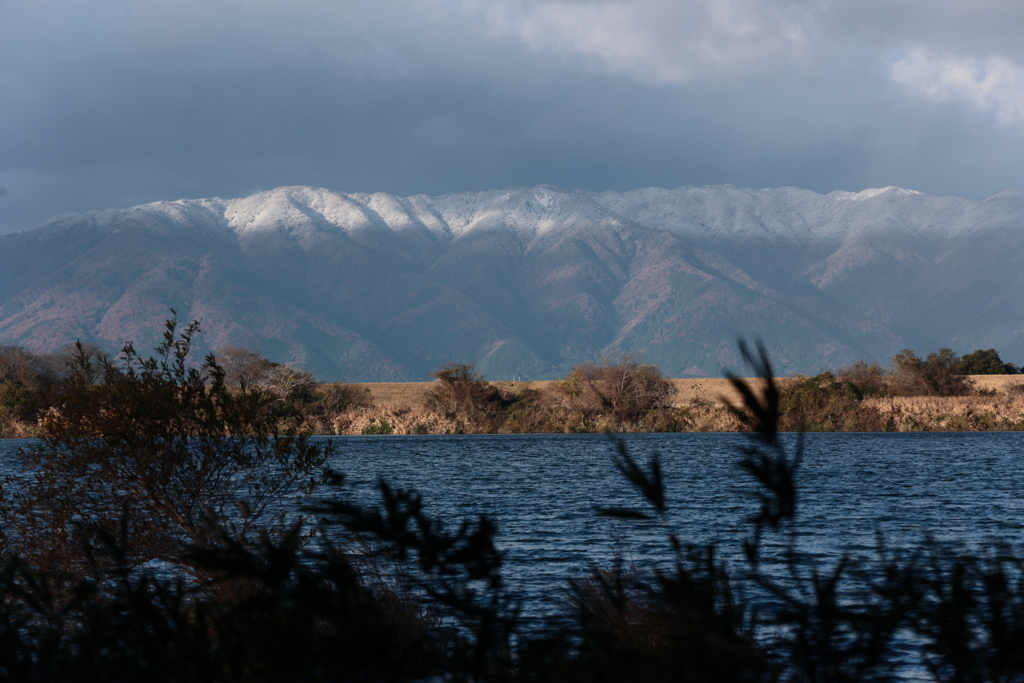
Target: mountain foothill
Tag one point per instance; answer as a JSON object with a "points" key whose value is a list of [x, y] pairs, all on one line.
{"points": [[527, 281]]}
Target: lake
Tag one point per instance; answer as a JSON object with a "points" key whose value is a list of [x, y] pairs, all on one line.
{"points": [[543, 489]]}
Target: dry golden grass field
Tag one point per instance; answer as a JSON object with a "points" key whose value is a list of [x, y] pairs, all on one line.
{"points": [[410, 394], [998, 404], [394, 395], [1001, 384]]}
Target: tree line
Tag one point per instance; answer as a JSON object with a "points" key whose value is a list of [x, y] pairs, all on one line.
{"points": [[839, 400], [618, 393]]}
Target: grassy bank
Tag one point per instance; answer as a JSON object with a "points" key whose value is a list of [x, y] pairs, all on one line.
{"points": [[614, 395], [996, 403]]}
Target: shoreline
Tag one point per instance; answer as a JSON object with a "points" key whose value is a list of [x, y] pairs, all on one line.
{"points": [[399, 408]]}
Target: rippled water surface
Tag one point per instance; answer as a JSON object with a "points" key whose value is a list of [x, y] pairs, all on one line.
{"points": [[542, 490]]}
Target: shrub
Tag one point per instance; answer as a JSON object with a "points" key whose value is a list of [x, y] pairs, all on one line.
{"points": [[868, 379], [18, 365], [66, 361], [936, 375], [155, 453], [459, 391], [24, 386], [31, 383], [530, 411], [332, 399], [620, 387], [412, 598], [381, 427], [666, 420], [827, 402]]}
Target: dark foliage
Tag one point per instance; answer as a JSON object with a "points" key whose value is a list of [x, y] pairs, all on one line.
{"points": [[338, 398], [829, 403], [31, 383], [156, 453], [293, 397], [986, 362], [938, 374], [460, 391]]}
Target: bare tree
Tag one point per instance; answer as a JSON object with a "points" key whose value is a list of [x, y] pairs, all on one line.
{"points": [[18, 364], [619, 386], [865, 379], [282, 382], [938, 374], [242, 367]]}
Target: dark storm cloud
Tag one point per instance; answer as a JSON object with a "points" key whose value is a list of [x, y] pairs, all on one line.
{"points": [[120, 103]]}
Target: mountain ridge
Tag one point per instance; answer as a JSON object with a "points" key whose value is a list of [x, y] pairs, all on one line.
{"points": [[372, 286]]}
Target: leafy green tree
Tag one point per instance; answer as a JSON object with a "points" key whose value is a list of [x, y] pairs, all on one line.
{"points": [[986, 362]]}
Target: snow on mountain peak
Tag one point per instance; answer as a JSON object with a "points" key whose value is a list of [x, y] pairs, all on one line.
{"points": [[874, 192], [703, 214]]}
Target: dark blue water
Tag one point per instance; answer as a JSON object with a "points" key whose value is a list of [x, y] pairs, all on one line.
{"points": [[963, 488], [543, 490]]}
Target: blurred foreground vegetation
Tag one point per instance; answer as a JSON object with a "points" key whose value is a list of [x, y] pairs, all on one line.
{"points": [[152, 536]]}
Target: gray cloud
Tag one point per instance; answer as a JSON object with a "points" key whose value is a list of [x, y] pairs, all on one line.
{"points": [[714, 39], [115, 103]]}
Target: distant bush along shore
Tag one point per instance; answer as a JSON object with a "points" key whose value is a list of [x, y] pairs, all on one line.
{"points": [[940, 392]]}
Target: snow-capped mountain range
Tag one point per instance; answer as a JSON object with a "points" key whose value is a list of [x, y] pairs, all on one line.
{"points": [[526, 281]]}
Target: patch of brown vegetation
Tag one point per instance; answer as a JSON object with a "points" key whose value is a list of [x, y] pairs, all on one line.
{"points": [[1001, 384], [540, 407], [19, 429], [397, 394], [997, 404], [394, 395], [980, 413]]}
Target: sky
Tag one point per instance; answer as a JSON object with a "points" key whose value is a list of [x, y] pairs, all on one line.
{"points": [[113, 103]]}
